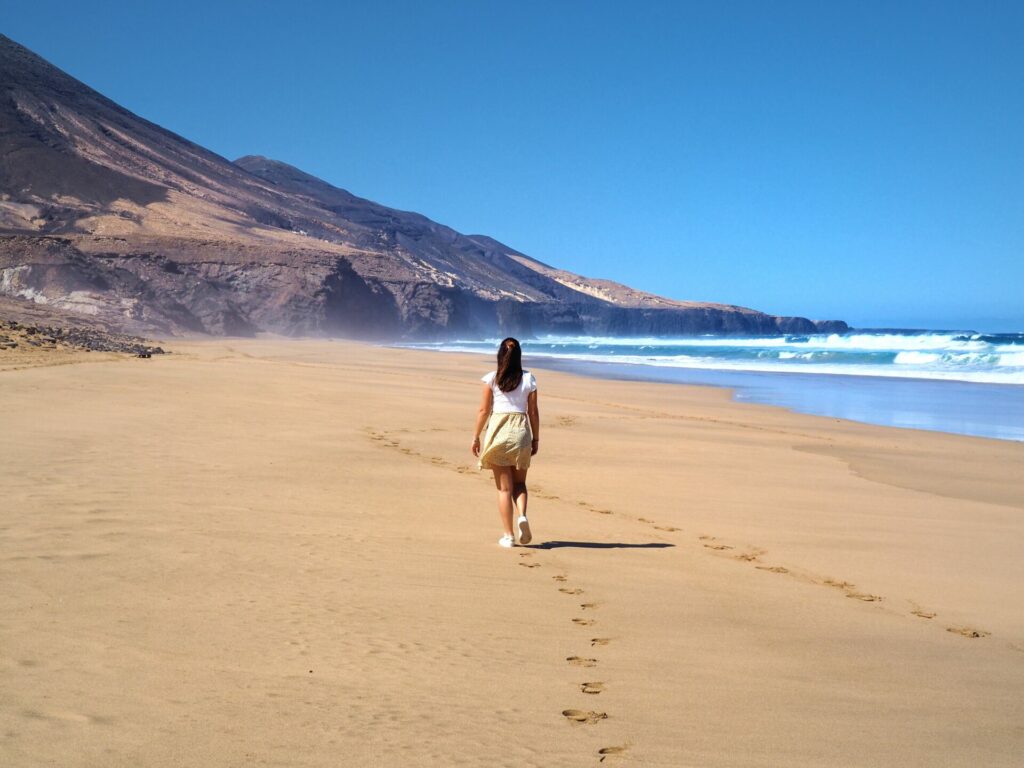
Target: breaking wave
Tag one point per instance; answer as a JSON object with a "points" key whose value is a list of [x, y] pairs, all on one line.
{"points": [[973, 357]]}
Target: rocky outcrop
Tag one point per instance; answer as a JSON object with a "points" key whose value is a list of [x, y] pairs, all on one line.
{"points": [[110, 217], [14, 335]]}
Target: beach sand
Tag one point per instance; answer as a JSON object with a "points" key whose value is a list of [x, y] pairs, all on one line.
{"points": [[281, 553]]}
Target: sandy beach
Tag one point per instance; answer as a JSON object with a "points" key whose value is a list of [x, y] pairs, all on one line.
{"points": [[263, 552]]}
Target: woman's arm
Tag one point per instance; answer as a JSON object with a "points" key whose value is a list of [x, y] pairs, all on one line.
{"points": [[534, 415], [486, 401]]}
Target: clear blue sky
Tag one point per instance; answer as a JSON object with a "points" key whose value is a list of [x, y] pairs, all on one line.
{"points": [[855, 160]]}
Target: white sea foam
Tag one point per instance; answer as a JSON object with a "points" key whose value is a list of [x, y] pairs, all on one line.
{"points": [[1014, 359], [943, 356], [832, 369], [883, 342], [916, 358]]}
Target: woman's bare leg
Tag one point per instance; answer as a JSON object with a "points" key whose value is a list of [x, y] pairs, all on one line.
{"points": [[503, 483], [519, 494]]}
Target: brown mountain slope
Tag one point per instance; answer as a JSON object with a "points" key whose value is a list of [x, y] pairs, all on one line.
{"points": [[105, 214]]}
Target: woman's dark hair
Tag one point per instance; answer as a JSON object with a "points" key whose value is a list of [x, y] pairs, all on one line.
{"points": [[510, 365]]}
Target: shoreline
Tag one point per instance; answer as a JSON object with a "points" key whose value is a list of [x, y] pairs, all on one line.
{"points": [[281, 551], [989, 410]]}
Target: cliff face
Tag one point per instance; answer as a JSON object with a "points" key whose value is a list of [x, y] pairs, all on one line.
{"points": [[106, 215]]}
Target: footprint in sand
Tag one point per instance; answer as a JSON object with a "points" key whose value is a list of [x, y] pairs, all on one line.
{"points": [[670, 528], [968, 631], [583, 622], [606, 752], [923, 613], [579, 661], [581, 716], [705, 537], [838, 584], [588, 606], [559, 577], [748, 557], [644, 520], [718, 546], [526, 554], [600, 641], [572, 591], [592, 688], [772, 568], [864, 596], [604, 511], [530, 565]]}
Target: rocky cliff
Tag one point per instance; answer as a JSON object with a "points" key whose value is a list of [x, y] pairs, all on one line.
{"points": [[106, 215]]}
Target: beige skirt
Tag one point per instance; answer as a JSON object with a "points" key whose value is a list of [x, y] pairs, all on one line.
{"points": [[507, 441]]}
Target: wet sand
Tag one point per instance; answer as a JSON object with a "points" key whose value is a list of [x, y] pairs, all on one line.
{"points": [[281, 553]]}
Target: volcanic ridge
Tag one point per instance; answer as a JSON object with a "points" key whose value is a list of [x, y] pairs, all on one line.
{"points": [[107, 217]]}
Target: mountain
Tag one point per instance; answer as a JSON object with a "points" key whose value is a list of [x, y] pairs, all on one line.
{"points": [[106, 215]]}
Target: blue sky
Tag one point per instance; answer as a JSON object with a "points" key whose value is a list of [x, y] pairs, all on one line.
{"points": [[862, 161]]}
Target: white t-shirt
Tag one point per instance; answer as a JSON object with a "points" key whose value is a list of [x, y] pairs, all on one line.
{"points": [[514, 401]]}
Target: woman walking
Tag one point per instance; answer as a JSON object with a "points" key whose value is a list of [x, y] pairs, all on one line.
{"points": [[508, 406]]}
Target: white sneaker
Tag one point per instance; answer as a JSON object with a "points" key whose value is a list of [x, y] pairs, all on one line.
{"points": [[506, 541], [525, 537]]}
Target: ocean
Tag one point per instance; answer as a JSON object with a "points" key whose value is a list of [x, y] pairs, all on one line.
{"points": [[949, 381]]}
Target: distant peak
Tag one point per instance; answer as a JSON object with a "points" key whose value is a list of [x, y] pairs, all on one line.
{"points": [[259, 161], [284, 175], [260, 165]]}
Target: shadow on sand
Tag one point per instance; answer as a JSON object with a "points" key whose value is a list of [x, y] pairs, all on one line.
{"points": [[597, 545]]}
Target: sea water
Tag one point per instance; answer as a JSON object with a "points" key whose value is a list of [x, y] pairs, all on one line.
{"points": [[963, 382]]}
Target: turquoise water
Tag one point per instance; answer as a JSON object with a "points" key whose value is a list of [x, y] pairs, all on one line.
{"points": [[961, 382]]}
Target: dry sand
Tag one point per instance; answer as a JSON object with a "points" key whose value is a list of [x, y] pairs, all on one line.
{"points": [[280, 553]]}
